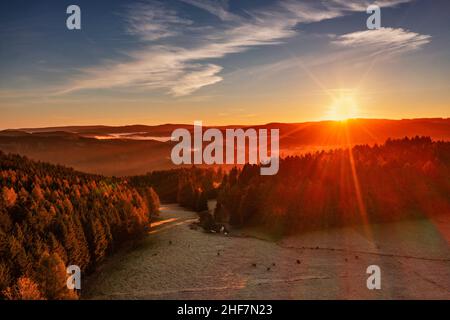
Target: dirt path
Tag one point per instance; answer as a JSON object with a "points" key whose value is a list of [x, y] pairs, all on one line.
{"points": [[176, 262]]}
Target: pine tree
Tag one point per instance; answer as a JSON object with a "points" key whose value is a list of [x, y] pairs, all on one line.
{"points": [[153, 202], [51, 277], [24, 289], [9, 196]]}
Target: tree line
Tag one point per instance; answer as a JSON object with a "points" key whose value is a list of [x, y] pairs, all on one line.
{"points": [[52, 217], [404, 178], [190, 187]]}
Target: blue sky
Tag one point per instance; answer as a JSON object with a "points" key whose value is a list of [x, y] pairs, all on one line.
{"points": [[221, 61]]}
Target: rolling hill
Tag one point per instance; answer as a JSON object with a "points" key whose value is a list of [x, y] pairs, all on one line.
{"points": [[136, 149]]}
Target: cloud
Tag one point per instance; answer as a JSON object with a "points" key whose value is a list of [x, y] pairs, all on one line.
{"points": [[308, 11], [177, 51], [361, 5], [180, 70], [152, 21], [384, 40], [157, 67], [190, 82], [218, 8]]}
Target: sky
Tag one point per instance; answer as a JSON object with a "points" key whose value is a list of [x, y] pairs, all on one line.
{"points": [[221, 62]]}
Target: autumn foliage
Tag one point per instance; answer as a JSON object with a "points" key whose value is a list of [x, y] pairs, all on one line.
{"points": [[401, 179], [190, 187], [52, 217]]}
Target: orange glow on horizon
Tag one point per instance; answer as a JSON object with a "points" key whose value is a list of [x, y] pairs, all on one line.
{"points": [[343, 107]]}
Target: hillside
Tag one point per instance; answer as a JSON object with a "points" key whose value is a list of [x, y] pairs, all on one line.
{"points": [[52, 217], [401, 179], [137, 149]]}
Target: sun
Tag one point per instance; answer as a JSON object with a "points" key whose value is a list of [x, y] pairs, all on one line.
{"points": [[343, 107]]}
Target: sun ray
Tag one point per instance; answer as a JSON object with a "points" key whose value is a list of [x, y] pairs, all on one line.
{"points": [[357, 187], [343, 107]]}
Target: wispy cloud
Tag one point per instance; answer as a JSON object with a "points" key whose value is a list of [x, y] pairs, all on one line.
{"points": [[218, 8], [153, 21], [177, 51], [384, 40], [315, 11], [361, 5], [159, 67], [191, 81]]}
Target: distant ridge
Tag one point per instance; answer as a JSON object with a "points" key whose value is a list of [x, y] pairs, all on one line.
{"points": [[136, 149]]}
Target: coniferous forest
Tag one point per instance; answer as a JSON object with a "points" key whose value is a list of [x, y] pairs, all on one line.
{"points": [[401, 179], [52, 217], [190, 187]]}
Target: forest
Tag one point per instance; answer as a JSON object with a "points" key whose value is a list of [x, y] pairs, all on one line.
{"points": [[52, 217], [190, 187], [400, 179]]}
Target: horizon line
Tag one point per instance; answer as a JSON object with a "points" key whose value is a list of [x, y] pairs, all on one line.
{"points": [[223, 125]]}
